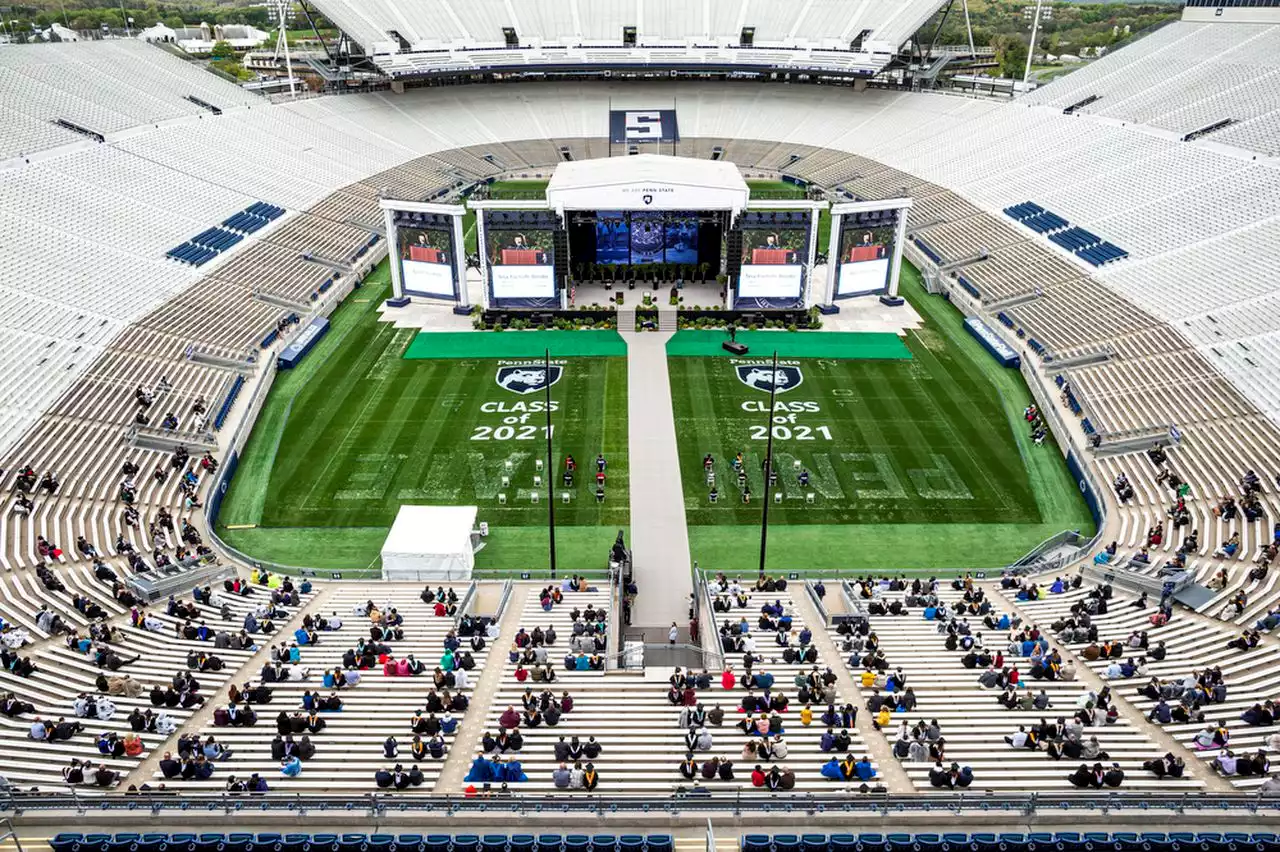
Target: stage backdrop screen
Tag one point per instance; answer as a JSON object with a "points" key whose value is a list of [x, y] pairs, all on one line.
{"points": [[426, 254], [866, 252], [613, 237], [647, 237], [775, 246], [521, 255]]}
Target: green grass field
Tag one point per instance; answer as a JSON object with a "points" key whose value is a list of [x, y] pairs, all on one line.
{"points": [[914, 463], [918, 457], [358, 430]]}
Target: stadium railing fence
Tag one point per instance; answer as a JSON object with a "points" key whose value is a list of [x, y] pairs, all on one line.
{"points": [[696, 799]]}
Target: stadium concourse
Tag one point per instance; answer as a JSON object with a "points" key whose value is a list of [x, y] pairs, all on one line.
{"points": [[120, 351]]}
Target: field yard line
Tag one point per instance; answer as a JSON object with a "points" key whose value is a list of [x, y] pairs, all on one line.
{"points": [[334, 455]]}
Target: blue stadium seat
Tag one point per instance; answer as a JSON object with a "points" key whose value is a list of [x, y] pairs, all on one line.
{"points": [[928, 843], [239, 841], [125, 842], [577, 843], [294, 842], [901, 843], [873, 843], [152, 842], [66, 841], [1158, 841], [210, 842], [549, 843], [465, 843], [438, 843], [352, 842], [604, 842], [1042, 841], [1126, 841], [984, 842], [521, 843], [323, 843], [955, 842], [181, 843], [756, 843], [493, 843], [1238, 841], [631, 842], [813, 843], [410, 843], [844, 843], [786, 843], [1070, 841], [659, 843], [1013, 842]]}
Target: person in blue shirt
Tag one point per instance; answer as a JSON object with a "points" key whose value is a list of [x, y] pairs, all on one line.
{"points": [[864, 770], [291, 767]]}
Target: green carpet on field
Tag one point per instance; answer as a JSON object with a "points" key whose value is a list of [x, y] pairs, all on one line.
{"points": [[515, 344], [357, 430], [836, 345], [919, 464]]}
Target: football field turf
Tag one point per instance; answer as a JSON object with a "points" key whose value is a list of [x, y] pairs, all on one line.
{"points": [[358, 430], [918, 463]]}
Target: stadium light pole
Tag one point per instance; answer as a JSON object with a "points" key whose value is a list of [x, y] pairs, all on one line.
{"points": [[768, 462], [551, 488], [1031, 48]]}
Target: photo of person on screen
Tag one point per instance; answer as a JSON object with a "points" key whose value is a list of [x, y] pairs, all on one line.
{"points": [[865, 248], [517, 251], [772, 250], [426, 246]]}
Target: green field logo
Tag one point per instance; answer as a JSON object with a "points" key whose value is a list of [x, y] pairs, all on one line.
{"points": [[528, 379], [763, 377]]}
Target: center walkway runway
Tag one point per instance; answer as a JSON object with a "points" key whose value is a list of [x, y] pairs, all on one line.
{"points": [[659, 538]]}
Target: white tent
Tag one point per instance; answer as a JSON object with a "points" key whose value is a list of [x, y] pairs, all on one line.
{"points": [[430, 543], [647, 182]]}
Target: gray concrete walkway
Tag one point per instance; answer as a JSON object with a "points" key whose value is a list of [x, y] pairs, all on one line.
{"points": [[659, 538]]}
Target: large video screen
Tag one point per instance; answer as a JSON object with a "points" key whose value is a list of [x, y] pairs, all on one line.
{"points": [[426, 260], [636, 237], [866, 252], [682, 238], [775, 247], [520, 249], [647, 238], [613, 237]]}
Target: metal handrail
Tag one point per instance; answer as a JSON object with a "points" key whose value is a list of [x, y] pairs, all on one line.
{"points": [[218, 806]]}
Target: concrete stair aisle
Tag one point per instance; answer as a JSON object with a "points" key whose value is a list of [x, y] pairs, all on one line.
{"points": [[668, 318], [626, 319]]}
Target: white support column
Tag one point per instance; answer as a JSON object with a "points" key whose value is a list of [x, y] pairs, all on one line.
{"points": [[484, 260], [393, 253], [899, 240], [833, 257], [460, 262], [815, 215]]}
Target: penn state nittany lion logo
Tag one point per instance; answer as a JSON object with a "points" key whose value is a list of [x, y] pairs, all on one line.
{"points": [[762, 377], [527, 379]]}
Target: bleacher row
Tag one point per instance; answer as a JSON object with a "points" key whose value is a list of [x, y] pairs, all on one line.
{"points": [[1192, 645], [1090, 247], [62, 673], [1064, 841], [356, 842], [637, 728], [349, 750], [974, 725]]}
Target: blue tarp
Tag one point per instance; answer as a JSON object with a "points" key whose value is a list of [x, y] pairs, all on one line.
{"points": [[301, 345], [992, 342]]}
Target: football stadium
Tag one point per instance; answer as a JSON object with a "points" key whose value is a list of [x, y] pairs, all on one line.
{"points": [[706, 425]]}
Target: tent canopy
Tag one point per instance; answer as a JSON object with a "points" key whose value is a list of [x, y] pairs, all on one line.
{"points": [[647, 182], [431, 543]]}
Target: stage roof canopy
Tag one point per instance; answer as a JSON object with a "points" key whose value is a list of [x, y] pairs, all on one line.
{"points": [[647, 182]]}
